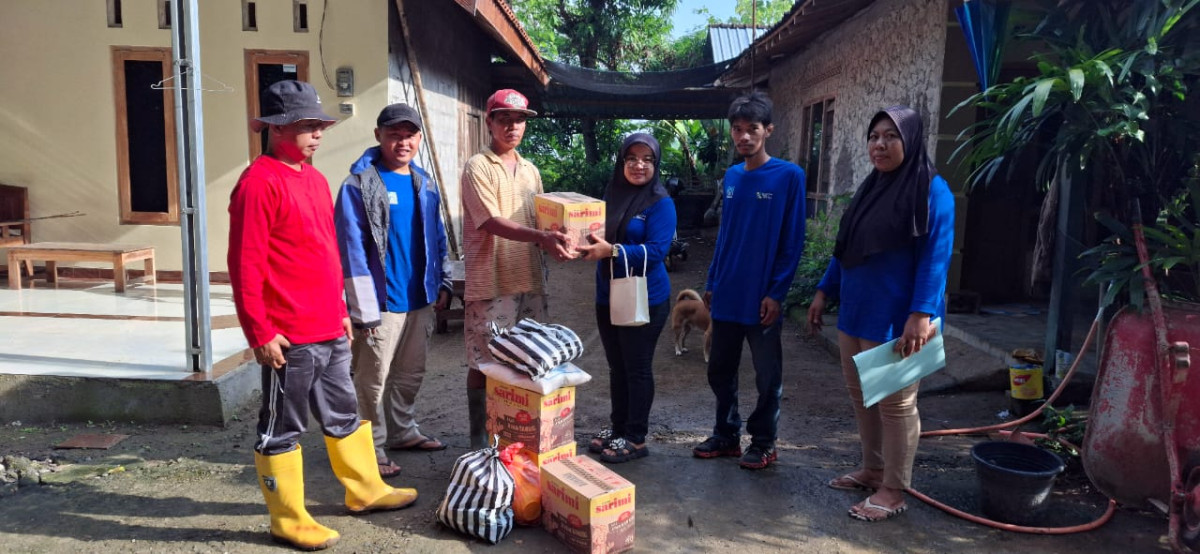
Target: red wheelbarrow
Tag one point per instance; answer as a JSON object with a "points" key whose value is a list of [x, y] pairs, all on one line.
{"points": [[1142, 446]]}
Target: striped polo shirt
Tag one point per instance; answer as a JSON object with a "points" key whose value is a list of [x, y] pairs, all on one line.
{"points": [[496, 266]]}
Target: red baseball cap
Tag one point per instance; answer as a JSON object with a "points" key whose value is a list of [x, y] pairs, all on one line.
{"points": [[509, 100]]}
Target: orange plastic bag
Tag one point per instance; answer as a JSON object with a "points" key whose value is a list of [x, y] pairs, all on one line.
{"points": [[527, 493]]}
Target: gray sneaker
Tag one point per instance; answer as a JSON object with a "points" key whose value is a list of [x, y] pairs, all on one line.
{"points": [[715, 447], [758, 457]]}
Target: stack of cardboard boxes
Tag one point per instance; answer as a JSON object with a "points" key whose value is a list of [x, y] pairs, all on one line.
{"points": [[584, 504], [544, 423]]}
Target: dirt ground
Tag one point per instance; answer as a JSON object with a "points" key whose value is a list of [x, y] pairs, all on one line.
{"points": [[192, 489]]}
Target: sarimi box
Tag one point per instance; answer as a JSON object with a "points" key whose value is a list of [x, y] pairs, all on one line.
{"points": [[543, 422], [543, 458], [587, 506], [577, 214]]}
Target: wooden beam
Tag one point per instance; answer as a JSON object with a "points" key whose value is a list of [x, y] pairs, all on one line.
{"points": [[447, 220], [501, 21]]}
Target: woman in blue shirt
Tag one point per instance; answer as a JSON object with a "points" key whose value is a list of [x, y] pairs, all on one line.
{"points": [[640, 217], [889, 272]]}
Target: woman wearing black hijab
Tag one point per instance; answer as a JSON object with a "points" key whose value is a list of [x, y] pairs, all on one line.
{"points": [[639, 212], [889, 271]]}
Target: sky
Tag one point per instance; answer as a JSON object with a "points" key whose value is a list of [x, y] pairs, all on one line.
{"points": [[686, 19]]}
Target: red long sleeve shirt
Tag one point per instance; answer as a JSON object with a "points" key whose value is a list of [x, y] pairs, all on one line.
{"points": [[283, 255]]}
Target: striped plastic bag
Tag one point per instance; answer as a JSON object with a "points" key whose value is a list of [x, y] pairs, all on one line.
{"points": [[479, 499], [534, 348]]}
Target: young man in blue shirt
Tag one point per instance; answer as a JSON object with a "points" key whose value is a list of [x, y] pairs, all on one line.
{"points": [[758, 246], [394, 260]]}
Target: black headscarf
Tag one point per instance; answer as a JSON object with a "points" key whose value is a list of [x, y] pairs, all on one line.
{"points": [[889, 210], [623, 200]]}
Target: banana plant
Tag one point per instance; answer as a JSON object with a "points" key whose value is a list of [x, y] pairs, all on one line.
{"points": [[1109, 104]]}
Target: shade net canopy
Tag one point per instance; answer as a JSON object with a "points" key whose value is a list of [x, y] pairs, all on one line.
{"points": [[681, 94], [629, 83]]}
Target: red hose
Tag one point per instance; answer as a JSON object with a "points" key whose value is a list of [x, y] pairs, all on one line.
{"points": [[1108, 513], [1112, 504]]}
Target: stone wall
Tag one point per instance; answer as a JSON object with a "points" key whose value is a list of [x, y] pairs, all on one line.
{"points": [[890, 53]]}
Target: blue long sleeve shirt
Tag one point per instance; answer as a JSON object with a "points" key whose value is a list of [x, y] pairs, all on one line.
{"points": [[362, 217], [877, 296], [760, 240], [654, 228]]}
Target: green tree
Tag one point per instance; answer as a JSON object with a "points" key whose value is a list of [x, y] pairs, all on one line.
{"points": [[695, 151], [768, 12], [611, 35], [687, 51]]}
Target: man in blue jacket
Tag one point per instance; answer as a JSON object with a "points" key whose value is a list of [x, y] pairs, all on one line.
{"points": [[394, 260], [758, 246]]}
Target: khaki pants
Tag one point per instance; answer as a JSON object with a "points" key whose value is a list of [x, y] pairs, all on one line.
{"points": [[506, 311], [388, 371], [889, 430]]}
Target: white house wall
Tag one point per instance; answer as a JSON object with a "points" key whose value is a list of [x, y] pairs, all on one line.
{"points": [[890, 53], [57, 120]]}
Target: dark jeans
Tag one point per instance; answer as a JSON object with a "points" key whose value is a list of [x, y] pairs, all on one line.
{"points": [[315, 379], [767, 353], [630, 353]]}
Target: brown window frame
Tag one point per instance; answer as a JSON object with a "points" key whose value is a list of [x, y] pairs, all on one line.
{"points": [[164, 14], [115, 16], [120, 55], [820, 182], [249, 15], [301, 24], [253, 59]]}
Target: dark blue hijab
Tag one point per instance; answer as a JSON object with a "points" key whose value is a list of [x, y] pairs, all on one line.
{"points": [[889, 210]]}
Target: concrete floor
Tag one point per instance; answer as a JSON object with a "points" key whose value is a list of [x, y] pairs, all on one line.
{"points": [[85, 329]]}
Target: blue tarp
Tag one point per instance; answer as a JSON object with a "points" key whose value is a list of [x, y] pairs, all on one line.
{"points": [[985, 25]]}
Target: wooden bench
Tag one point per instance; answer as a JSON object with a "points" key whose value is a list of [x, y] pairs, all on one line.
{"points": [[14, 221], [459, 284], [53, 252]]}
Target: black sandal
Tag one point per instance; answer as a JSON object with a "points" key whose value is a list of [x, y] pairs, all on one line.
{"points": [[600, 441], [623, 451]]}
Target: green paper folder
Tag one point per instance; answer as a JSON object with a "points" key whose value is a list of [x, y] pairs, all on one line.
{"points": [[883, 372]]}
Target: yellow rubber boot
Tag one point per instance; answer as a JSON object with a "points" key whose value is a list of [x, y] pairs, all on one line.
{"points": [[281, 478], [353, 461]]}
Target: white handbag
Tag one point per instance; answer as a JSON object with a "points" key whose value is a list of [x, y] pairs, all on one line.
{"points": [[628, 304]]}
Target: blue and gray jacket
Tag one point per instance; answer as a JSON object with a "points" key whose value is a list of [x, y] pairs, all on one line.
{"points": [[362, 217]]}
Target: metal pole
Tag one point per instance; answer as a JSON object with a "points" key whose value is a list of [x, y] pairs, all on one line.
{"points": [[189, 140]]}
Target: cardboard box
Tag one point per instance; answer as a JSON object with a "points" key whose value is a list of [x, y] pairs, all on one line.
{"points": [[543, 422], [587, 506], [579, 215], [543, 458]]}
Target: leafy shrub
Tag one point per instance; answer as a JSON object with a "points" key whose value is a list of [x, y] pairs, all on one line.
{"points": [[1172, 244], [820, 237]]}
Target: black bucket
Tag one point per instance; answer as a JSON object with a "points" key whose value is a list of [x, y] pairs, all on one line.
{"points": [[1014, 480]]}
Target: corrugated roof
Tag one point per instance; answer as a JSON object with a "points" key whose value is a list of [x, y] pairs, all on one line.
{"points": [[807, 20], [726, 42]]}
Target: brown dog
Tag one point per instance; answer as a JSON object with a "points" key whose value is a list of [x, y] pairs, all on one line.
{"points": [[690, 313]]}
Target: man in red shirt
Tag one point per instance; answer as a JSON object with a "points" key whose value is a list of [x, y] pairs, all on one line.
{"points": [[287, 286]]}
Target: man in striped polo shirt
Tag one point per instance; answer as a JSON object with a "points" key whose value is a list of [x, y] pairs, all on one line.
{"points": [[505, 266]]}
